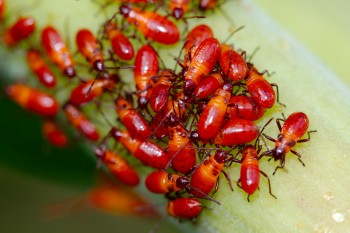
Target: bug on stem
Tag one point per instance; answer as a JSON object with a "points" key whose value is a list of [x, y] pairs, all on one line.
{"points": [[232, 63], [146, 66], [250, 172], [241, 106], [203, 61], [162, 182], [54, 134], [154, 26], [80, 122], [208, 85], [236, 132], [147, 152], [260, 89], [212, 117], [91, 89], [180, 147], [184, 208], [90, 49], [57, 51], [40, 68], [193, 40], [20, 30], [32, 99], [121, 45], [132, 120], [118, 166], [293, 129], [161, 91], [205, 177]]}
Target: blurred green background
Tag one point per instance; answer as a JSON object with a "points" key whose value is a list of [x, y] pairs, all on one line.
{"points": [[34, 175]]}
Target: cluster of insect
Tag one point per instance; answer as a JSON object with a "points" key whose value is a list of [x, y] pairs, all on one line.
{"points": [[188, 125]]}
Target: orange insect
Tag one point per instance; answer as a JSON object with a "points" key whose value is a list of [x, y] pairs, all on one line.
{"points": [[208, 85], [54, 134], [294, 127], [193, 40], [110, 198], [212, 117], [20, 30], [203, 61], [180, 147], [118, 166], [121, 45], [90, 49], [250, 172], [146, 66], [160, 91], [79, 121], [57, 51], [232, 63], [205, 177], [132, 120], [40, 68], [242, 106], [184, 208], [32, 99], [179, 7], [147, 152], [236, 132], [91, 89], [154, 26], [260, 89], [177, 105], [162, 182], [120, 201]]}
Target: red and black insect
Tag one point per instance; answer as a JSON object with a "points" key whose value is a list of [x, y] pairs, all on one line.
{"points": [[260, 89], [177, 105], [294, 127], [178, 8], [53, 134], [250, 172], [33, 100], [147, 152], [132, 120], [203, 61], [118, 166], [20, 30], [89, 47], [121, 45], [236, 132], [208, 85], [241, 106], [40, 68], [180, 147], [193, 40], [184, 208], [213, 115], [161, 91], [205, 177], [162, 182], [80, 122], [154, 26], [232, 63], [57, 50], [93, 88], [146, 67]]}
